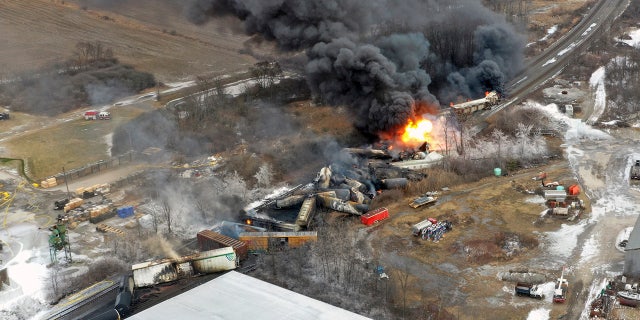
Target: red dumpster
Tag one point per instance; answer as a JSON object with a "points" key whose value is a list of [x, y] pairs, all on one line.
{"points": [[574, 190], [374, 216]]}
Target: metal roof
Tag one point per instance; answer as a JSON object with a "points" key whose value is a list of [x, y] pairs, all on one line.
{"points": [[238, 296], [634, 237]]}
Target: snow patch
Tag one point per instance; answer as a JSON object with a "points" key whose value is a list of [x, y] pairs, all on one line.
{"points": [[539, 314], [590, 249], [563, 241], [588, 29], [635, 38], [597, 83], [536, 199], [567, 49], [550, 32]]}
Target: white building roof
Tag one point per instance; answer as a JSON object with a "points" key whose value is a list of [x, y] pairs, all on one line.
{"points": [[634, 237], [238, 296]]}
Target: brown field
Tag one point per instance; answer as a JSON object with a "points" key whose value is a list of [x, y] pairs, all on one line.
{"points": [[171, 48], [480, 212]]}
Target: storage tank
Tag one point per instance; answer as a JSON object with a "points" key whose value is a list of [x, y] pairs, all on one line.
{"points": [[306, 212], [217, 260]]}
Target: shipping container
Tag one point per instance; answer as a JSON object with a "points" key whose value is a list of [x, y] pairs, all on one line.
{"points": [[374, 216], [125, 212], [209, 240], [265, 241], [217, 260], [154, 272], [307, 210]]}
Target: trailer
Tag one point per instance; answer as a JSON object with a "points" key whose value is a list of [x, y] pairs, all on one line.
{"points": [[417, 228], [374, 216]]}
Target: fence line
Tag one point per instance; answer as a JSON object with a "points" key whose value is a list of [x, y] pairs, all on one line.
{"points": [[96, 167]]}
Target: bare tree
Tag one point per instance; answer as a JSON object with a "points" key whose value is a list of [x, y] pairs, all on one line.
{"points": [[266, 73], [166, 211], [499, 138], [522, 134], [402, 278], [264, 175]]}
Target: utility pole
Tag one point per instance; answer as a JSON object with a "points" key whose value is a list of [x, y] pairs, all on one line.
{"points": [[66, 183]]}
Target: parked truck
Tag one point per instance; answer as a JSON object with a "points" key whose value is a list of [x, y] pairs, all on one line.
{"points": [[529, 290]]}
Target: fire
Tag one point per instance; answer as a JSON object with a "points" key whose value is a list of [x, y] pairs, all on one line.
{"points": [[248, 221], [417, 131], [486, 93]]}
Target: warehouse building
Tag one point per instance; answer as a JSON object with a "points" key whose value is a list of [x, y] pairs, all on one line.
{"points": [[238, 296], [632, 253]]}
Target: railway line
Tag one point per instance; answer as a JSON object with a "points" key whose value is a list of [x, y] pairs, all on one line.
{"points": [[553, 60]]}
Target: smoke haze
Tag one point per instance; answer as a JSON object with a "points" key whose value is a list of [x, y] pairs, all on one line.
{"points": [[377, 56]]}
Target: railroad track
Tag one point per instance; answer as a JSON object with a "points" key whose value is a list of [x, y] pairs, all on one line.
{"points": [[79, 305]]}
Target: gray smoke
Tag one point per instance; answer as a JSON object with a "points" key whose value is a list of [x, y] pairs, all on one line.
{"points": [[376, 55]]}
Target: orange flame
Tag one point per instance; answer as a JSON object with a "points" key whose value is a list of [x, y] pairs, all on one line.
{"points": [[417, 131], [486, 93]]}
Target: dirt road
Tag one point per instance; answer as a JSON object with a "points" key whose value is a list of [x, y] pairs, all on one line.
{"points": [[603, 166]]}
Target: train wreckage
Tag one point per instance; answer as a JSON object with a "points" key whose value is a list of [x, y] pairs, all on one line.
{"points": [[346, 186]]}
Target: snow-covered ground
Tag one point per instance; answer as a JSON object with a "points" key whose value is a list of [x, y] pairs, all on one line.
{"points": [[635, 38], [600, 162], [551, 31]]}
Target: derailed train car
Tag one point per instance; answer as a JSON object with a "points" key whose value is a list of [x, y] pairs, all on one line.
{"points": [[167, 270]]}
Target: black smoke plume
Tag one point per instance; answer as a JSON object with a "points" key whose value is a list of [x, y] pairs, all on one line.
{"points": [[377, 55]]}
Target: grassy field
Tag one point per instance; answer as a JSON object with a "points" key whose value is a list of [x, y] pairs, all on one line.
{"points": [[71, 144]]}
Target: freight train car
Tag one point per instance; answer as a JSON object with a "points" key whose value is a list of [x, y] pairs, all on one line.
{"points": [[209, 240], [266, 241], [490, 99], [167, 270], [307, 210], [374, 216]]}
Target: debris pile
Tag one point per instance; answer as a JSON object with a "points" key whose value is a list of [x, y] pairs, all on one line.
{"points": [[347, 185]]}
